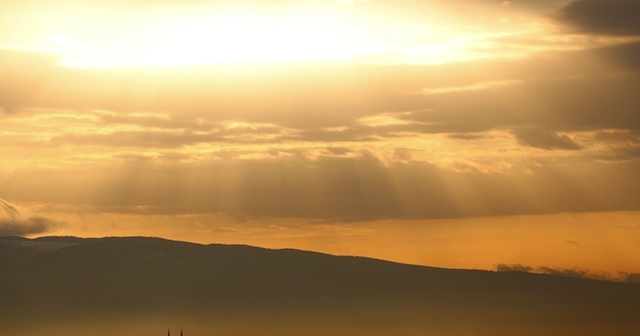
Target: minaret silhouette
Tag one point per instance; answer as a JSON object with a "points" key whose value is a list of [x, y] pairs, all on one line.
{"points": [[169, 332]]}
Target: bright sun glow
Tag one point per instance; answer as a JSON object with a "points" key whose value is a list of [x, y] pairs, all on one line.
{"points": [[254, 36], [230, 37]]}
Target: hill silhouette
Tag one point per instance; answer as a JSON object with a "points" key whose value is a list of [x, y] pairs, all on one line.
{"points": [[140, 285]]}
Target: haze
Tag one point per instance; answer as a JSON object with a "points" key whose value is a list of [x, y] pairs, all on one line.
{"points": [[466, 134]]}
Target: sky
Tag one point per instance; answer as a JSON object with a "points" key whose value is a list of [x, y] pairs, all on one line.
{"points": [[467, 134]]}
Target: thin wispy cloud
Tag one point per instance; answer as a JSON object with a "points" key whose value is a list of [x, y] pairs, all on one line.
{"points": [[14, 222], [571, 273]]}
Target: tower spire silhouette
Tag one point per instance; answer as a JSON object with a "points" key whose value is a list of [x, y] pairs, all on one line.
{"points": [[169, 332]]}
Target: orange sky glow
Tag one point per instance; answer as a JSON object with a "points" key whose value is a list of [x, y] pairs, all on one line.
{"points": [[465, 134]]}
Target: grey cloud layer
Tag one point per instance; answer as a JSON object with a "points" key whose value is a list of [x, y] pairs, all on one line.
{"points": [[337, 189], [608, 17], [588, 90]]}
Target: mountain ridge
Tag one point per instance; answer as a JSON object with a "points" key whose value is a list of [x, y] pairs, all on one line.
{"points": [[124, 278]]}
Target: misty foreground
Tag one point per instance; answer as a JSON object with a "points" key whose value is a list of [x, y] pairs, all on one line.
{"points": [[141, 286]]}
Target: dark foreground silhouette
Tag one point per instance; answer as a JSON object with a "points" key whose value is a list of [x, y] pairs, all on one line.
{"points": [[140, 286]]}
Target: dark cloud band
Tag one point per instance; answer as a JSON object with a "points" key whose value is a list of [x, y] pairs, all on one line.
{"points": [[608, 17], [14, 223]]}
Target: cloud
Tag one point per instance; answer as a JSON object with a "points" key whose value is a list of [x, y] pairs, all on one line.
{"points": [[559, 91], [14, 222], [9, 209], [26, 226], [467, 136], [606, 17], [513, 268], [571, 273], [620, 145], [335, 185], [624, 56], [545, 139], [7, 110]]}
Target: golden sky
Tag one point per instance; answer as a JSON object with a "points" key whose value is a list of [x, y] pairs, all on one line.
{"points": [[448, 133]]}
